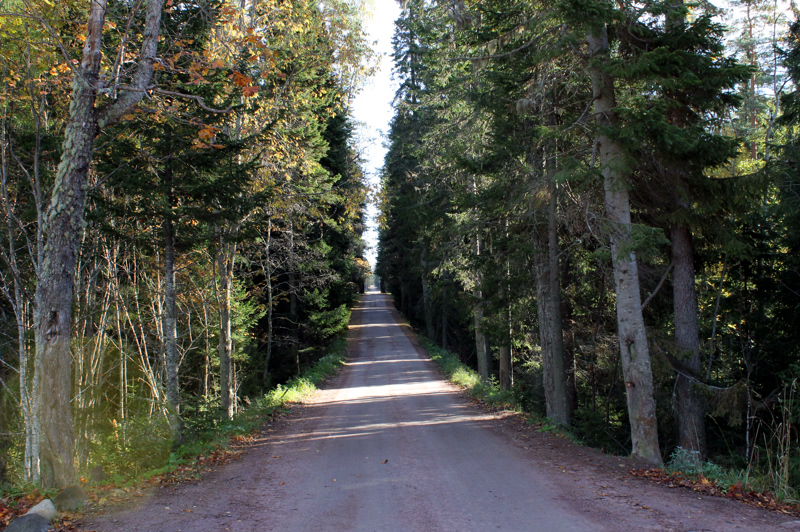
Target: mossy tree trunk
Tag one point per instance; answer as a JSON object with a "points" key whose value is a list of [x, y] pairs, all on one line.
{"points": [[63, 227]]}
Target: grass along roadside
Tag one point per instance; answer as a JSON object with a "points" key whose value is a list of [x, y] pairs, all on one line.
{"points": [[235, 433], [488, 393]]}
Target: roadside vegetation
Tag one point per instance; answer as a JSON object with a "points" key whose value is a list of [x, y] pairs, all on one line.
{"points": [[766, 487]]}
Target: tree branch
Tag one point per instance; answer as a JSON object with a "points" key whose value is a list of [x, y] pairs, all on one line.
{"points": [[129, 97], [658, 287], [199, 99]]}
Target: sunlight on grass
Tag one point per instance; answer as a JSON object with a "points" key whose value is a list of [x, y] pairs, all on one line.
{"points": [[461, 375]]}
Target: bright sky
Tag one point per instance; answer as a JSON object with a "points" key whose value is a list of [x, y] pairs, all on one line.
{"points": [[372, 108]]}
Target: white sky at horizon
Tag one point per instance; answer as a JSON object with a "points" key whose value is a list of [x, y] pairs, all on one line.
{"points": [[372, 107]]}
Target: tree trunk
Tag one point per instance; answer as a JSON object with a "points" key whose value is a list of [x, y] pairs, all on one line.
{"points": [[268, 274], [484, 367], [561, 409], [225, 255], [171, 357], [689, 404], [505, 369], [548, 299], [634, 350], [504, 351], [691, 415], [54, 290], [426, 298], [555, 390], [63, 226], [481, 349], [295, 339], [293, 325], [445, 326]]}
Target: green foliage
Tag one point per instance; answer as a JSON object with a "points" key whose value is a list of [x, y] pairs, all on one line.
{"points": [[330, 322], [610, 433], [140, 447], [298, 388], [691, 463], [128, 448]]}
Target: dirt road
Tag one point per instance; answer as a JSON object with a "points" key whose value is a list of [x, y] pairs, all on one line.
{"points": [[390, 446]]}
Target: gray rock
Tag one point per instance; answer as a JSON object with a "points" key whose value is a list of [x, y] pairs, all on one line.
{"points": [[791, 524], [46, 509], [70, 499], [29, 523]]}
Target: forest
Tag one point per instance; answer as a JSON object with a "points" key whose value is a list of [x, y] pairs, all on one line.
{"points": [[596, 205], [182, 203]]}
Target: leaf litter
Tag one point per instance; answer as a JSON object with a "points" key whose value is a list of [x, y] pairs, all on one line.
{"points": [[700, 484]]}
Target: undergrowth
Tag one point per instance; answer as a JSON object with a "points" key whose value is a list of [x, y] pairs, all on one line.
{"points": [[140, 450]]}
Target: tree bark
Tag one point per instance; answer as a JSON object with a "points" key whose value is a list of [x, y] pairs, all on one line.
{"points": [[484, 367], [63, 226], [689, 404], [445, 326], [556, 322], [551, 342], [171, 332], [634, 350], [225, 255], [505, 371], [268, 274], [481, 349], [427, 304], [548, 301], [691, 414], [293, 325]]}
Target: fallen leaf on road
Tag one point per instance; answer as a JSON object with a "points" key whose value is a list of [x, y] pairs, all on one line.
{"points": [[385, 461]]}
